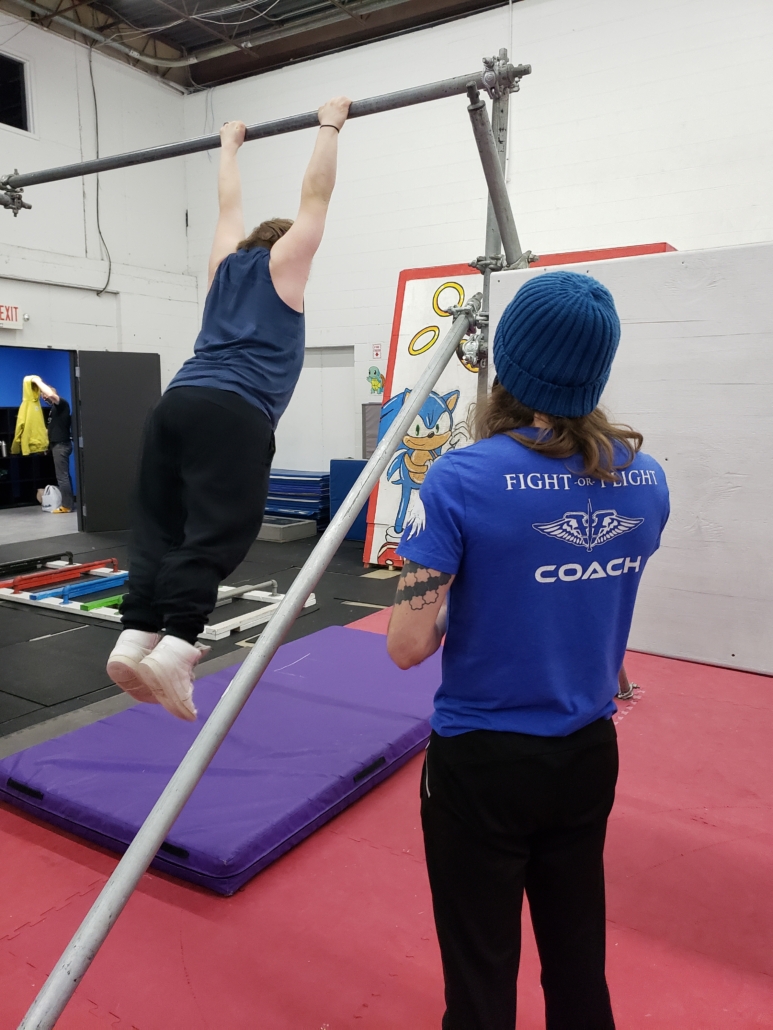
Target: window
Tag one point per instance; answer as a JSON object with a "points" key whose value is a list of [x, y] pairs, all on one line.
{"points": [[13, 94]]}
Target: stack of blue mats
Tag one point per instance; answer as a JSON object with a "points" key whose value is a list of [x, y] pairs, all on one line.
{"points": [[299, 495]]}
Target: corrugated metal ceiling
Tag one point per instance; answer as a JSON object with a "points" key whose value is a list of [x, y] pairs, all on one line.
{"points": [[188, 26], [205, 42]]}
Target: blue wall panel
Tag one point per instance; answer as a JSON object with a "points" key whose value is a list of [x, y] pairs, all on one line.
{"points": [[53, 367]]}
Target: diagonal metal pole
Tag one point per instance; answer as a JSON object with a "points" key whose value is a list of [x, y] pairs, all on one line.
{"points": [[500, 116], [83, 947], [495, 176], [359, 108]]}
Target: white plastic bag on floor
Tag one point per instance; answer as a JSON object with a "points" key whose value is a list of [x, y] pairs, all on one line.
{"points": [[52, 498]]}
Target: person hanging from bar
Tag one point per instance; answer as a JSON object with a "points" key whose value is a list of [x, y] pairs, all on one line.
{"points": [[534, 542], [207, 451]]}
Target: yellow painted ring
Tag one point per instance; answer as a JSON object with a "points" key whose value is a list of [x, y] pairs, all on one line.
{"points": [[447, 286], [413, 350]]}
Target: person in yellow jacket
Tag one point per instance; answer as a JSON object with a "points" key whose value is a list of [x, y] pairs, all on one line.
{"points": [[31, 436]]}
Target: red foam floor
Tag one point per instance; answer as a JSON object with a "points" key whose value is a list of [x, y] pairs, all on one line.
{"points": [[338, 934], [378, 622]]}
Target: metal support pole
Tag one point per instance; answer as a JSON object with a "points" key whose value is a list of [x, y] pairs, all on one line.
{"points": [[92, 932], [359, 108], [495, 176], [500, 111]]}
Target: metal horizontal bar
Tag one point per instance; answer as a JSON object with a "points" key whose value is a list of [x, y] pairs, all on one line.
{"points": [[78, 589], [51, 576], [103, 602], [220, 630], [21, 565], [359, 108], [57, 604], [228, 593]]}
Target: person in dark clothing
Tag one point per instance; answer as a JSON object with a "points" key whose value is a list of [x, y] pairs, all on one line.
{"points": [[206, 456], [58, 424], [528, 558]]}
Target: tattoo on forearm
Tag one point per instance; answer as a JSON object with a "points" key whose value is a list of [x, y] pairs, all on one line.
{"points": [[418, 585]]}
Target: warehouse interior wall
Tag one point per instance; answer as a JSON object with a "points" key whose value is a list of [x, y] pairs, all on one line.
{"points": [[639, 123]]}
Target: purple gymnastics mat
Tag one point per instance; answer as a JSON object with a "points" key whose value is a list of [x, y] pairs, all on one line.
{"points": [[331, 718]]}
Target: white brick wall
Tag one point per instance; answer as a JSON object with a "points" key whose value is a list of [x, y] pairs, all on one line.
{"points": [[641, 122], [152, 303]]}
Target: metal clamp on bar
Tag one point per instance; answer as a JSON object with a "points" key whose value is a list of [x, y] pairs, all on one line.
{"points": [[485, 263], [500, 77], [499, 263], [11, 196], [472, 351]]}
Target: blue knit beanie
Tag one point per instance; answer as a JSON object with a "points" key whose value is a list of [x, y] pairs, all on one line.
{"points": [[555, 343]]}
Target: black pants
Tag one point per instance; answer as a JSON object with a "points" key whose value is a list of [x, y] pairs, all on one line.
{"points": [[503, 813], [203, 483], [61, 454]]}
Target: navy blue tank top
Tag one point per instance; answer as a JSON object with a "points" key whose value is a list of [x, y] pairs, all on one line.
{"points": [[251, 342]]}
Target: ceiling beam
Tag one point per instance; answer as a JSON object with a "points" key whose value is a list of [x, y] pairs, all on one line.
{"points": [[343, 7], [322, 34], [205, 27]]}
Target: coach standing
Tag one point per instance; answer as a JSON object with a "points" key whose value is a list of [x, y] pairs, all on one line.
{"points": [[535, 540]]}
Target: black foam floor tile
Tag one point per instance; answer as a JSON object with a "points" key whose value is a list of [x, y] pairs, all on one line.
{"points": [[12, 707], [346, 561], [18, 624], [58, 668], [79, 543], [258, 571], [43, 714], [334, 586]]}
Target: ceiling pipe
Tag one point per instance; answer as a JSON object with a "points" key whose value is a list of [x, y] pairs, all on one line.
{"points": [[318, 21], [156, 62], [255, 40]]}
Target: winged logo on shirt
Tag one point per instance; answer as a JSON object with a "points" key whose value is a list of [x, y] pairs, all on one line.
{"points": [[589, 528]]}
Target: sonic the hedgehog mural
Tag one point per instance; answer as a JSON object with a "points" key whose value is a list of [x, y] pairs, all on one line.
{"points": [[435, 431], [425, 299], [421, 445]]}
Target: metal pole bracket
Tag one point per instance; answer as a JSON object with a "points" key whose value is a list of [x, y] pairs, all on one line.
{"points": [[490, 263], [471, 309], [485, 263], [472, 350], [11, 197], [500, 77], [527, 258]]}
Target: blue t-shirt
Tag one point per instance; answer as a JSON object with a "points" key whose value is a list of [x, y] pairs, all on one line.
{"points": [[251, 342], [547, 566]]}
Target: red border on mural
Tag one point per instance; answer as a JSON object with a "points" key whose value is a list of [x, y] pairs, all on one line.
{"points": [[407, 274], [574, 257]]}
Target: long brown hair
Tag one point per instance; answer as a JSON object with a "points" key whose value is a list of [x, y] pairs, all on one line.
{"points": [[266, 234], [592, 437]]}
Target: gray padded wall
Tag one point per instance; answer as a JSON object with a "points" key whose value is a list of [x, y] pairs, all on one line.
{"points": [[116, 392], [694, 373]]}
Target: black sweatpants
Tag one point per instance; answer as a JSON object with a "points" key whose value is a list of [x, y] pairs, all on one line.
{"points": [[201, 494], [61, 454], [508, 812]]}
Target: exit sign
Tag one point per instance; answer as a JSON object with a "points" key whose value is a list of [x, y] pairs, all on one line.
{"points": [[11, 316]]}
